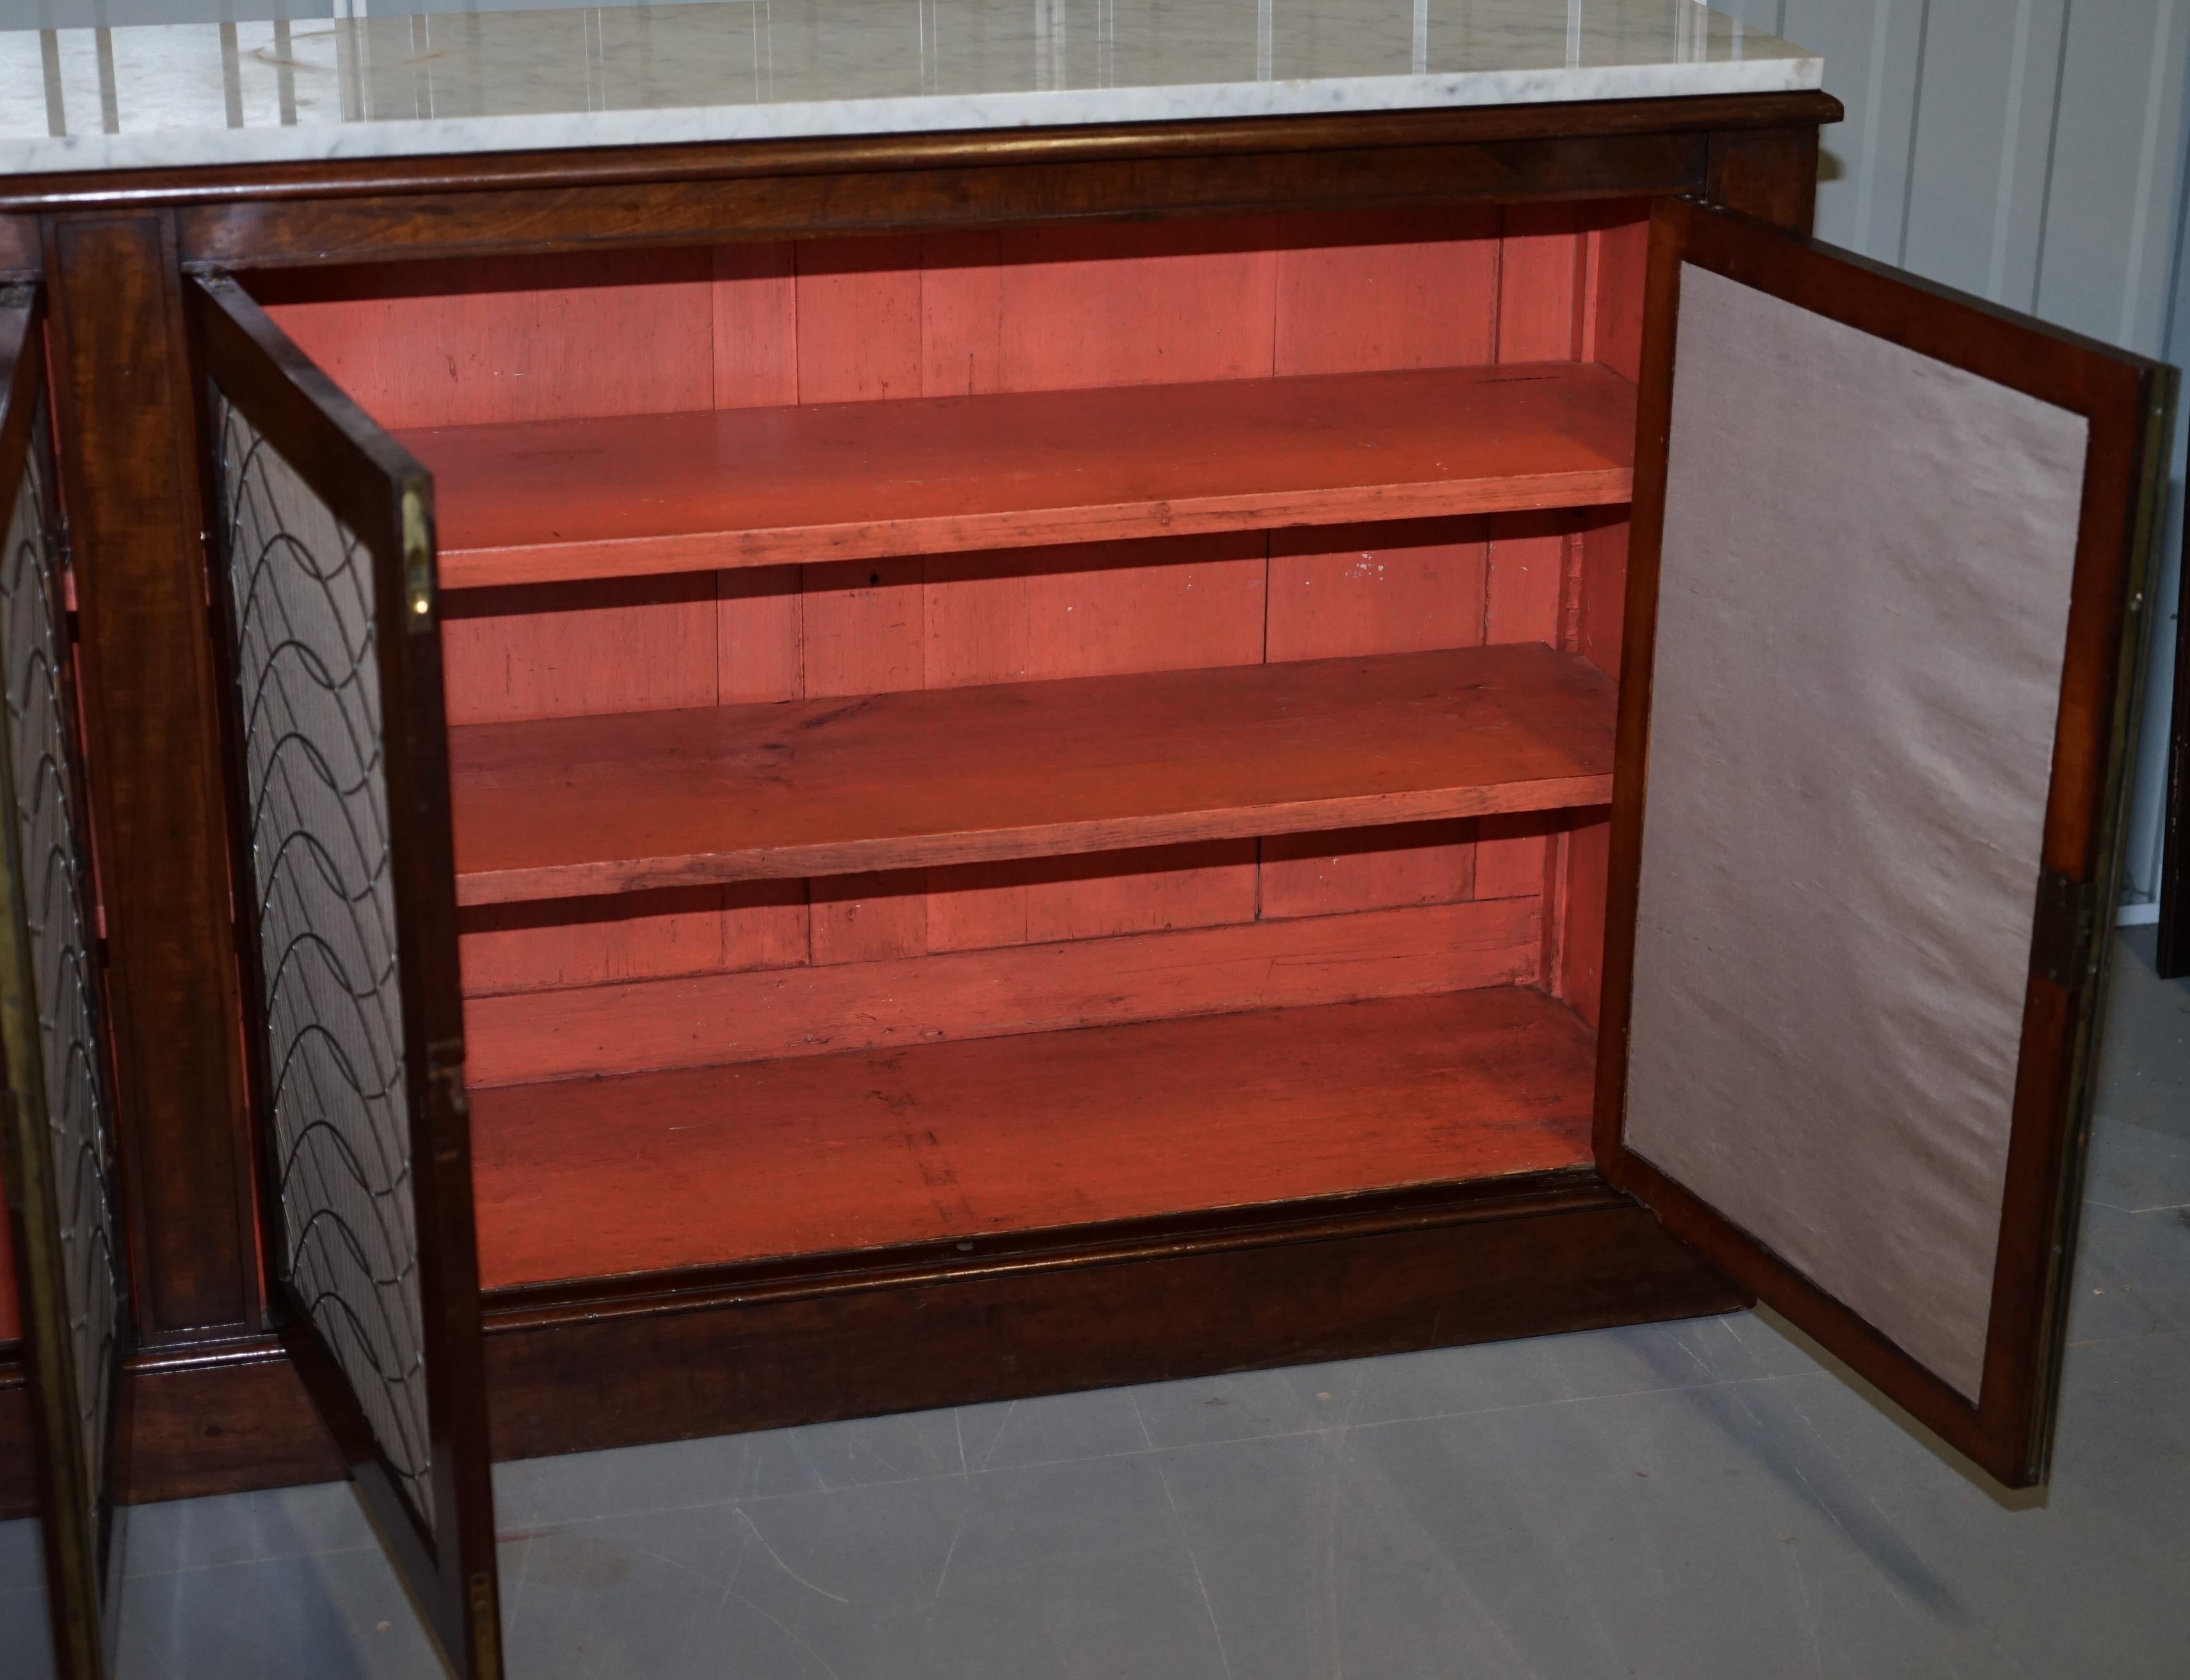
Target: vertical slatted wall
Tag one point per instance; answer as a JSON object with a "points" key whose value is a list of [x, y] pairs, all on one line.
{"points": [[2031, 151]]}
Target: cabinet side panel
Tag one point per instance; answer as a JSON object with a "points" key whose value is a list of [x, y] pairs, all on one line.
{"points": [[1579, 975], [1596, 613], [1543, 287], [1620, 257], [1614, 258]]}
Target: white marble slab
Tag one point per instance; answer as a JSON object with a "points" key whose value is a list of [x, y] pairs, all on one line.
{"points": [[452, 82]]}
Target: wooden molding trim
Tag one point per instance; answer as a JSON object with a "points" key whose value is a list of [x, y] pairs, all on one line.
{"points": [[608, 1380], [726, 160], [402, 222], [20, 256], [772, 1345]]}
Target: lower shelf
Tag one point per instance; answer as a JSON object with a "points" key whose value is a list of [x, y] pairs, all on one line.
{"points": [[646, 1172]]}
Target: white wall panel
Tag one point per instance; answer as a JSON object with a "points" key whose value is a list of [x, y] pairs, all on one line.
{"points": [[1874, 52], [2031, 151], [2109, 243], [1983, 140], [2146, 835]]}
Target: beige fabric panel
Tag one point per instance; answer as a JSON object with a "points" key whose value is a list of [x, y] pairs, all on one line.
{"points": [[1862, 613]]}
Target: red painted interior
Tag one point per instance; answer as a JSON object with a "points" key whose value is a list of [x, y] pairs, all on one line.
{"points": [[1149, 972], [677, 975], [826, 1153], [548, 501], [638, 801]]}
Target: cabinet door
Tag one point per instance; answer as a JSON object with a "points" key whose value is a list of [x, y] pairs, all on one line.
{"points": [[324, 547], [1889, 551], [56, 1139]]}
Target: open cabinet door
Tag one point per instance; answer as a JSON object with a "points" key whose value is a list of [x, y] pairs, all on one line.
{"points": [[1889, 550], [346, 886], [56, 1139]]}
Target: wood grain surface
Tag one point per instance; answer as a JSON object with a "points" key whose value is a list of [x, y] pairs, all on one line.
{"points": [[814, 1010], [532, 501], [819, 1154], [567, 807]]}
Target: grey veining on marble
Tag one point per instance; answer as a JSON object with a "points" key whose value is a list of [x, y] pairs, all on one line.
{"points": [[462, 81]]}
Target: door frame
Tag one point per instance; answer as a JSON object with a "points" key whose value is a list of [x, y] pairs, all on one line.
{"points": [[2128, 401]]}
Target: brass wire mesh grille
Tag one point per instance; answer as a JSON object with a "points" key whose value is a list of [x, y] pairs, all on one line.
{"points": [[57, 902], [307, 647]]}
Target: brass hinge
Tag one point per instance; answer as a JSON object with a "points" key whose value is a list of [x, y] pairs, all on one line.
{"points": [[417, 558], [486, 1627], [65, 549], [2064, 935]]}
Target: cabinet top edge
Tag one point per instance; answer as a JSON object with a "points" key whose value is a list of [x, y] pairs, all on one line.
{"points": [[551, 77]]}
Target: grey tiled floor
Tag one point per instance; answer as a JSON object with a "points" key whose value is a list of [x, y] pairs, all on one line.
{"points": [[1690, 1501]]}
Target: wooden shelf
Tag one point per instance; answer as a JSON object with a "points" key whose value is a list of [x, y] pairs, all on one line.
{"points": [[550, 500], [820, 1154], [576, 806]]}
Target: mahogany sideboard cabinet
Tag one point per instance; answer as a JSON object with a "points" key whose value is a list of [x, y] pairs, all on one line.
{"points": [[930, 729]]}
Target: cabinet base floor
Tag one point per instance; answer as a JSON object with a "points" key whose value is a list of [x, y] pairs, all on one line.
{"points": [[964, 1142]]}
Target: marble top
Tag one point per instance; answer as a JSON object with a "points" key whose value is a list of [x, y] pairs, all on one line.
{"points": [[136, 95]]}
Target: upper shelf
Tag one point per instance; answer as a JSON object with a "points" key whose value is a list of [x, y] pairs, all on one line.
{"points": [[575, 806], [565, 499]]}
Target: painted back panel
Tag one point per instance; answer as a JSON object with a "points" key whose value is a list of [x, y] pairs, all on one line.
{"points": [[1022, 310]]}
